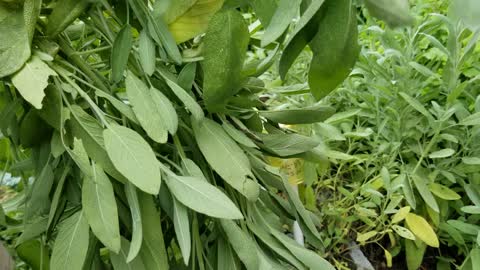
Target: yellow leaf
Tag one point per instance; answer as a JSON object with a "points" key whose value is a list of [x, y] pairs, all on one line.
{"points": [[444, 192], [420, 227], [388, 258], [401, 214], [195, 20], [362, 237]]}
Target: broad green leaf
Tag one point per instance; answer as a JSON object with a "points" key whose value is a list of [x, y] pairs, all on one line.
{"points": [[471, 160], [302, 34], [238, 136], [283, 16], [307, 115], [362, 237], [57, 195], [133, 157], [153, 252], [32, 230], [420, 227], [120, 52], [31, 12], [202, 197], [464, 227], [242, 244], [308, 257], [393, 12], [63, 14], [34, 253], [414, 254], [182, 229], [422, 187], [401, 214], [448, 152], [195, 20], [335, 47], [187, 75], [471, 209], [119, 260], [146, 108], [15, 45], [166, 110], [444, 192], [186, 99], [100, 207], [225, 47], [71, 244], [146, 51], [288, 144], [472, 120], [89, 130], [32, 80], [403, 232], [264, 10], [37, 199], [225, 157], [137, 233]]}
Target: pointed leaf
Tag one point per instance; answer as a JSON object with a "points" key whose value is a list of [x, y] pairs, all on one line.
{"points": [[119, 260], [71, 244], [182, 229], [283, 16], [225, 157], [146, 51], [444, 192], [420, 227], [425, 193], [100, 207], [146, 109], [133, 157], [242, 243], [225, 48], [120, 52], [202, 197], [137, 232]]}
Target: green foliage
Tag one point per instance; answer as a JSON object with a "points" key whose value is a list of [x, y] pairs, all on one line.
{"points": [[103, 101]]}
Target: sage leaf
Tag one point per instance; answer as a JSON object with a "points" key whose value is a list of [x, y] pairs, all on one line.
{"points": [[146, 51], [86, 128], [146, 109], [182, 229], [420, 227], [225, 157], [448, 152], [335, 47], [71, 244], [394, 13], [444, 192], [186, 99], [34, 253], [242, 243], [170, 10], [194, 21], [308, 257], [133, 157], [425, 193], [63, 14], [165, 110], [238, 136], [15, 45], [119, 260], [307, 115], [288, 144], [137, 233], [153, 253], [225, 48], [32, 80], [120, 52], [100, 207], [283, 16], [202, 197]]}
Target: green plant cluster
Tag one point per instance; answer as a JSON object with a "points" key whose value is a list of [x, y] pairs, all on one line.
{"points": [[401, 175]]}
